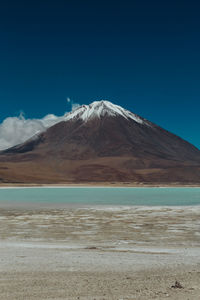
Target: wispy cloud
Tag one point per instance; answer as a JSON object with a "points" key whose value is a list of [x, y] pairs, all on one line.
{"points": [[74, 105], [16, 130]]}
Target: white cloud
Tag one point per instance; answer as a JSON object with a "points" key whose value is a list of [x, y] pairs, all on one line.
{"points": [[16, 130], [75, 105]]}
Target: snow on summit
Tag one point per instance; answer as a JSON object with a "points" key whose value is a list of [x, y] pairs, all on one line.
{"points": [[99, 109]]}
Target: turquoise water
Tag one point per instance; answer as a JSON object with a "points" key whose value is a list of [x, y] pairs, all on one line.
{"points": [[103, 196]]}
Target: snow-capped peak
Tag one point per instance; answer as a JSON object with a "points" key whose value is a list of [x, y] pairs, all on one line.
{"points": [[99, 109]]}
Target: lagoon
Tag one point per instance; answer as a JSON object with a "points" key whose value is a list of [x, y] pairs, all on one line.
{"points": [[145, 196]]}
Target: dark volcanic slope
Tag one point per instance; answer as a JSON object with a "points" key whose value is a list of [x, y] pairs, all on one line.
{"points": [[105, 147]]}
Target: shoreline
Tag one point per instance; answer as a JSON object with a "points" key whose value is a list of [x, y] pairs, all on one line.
{"points": [[43, 206], [96, 185]]}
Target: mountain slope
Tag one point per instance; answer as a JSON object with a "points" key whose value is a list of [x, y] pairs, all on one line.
{"points": [[102, 142]]}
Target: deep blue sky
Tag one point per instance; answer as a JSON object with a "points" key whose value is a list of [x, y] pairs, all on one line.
{"points": [[143, 55]]}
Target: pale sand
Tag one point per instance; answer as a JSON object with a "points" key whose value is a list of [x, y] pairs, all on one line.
{"points": [[133, 253]]}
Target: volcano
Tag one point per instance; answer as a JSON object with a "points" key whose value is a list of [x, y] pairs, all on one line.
{"points": [[102, 142]]}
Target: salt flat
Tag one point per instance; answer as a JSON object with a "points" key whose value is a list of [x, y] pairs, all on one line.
{"points": [[99, 253]]}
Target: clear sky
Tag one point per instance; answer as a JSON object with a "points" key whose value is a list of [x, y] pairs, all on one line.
{"points": [[142, 55]]}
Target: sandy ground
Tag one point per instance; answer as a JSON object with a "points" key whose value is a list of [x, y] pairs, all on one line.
{"points": [[134, 253]]}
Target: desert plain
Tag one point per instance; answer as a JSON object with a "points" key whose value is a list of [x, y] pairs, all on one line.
{"points": [[119, 252]]}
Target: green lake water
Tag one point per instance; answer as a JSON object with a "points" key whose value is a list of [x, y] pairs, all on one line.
{"points": [[103, 196]]}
